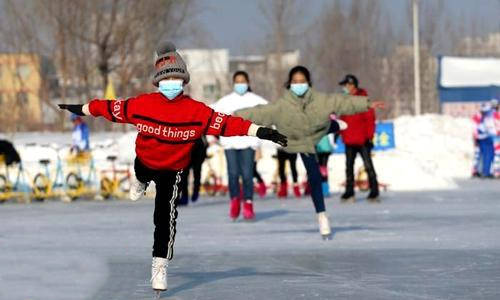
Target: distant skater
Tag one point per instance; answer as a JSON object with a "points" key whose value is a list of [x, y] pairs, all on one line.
{"points": [[303, 115]]}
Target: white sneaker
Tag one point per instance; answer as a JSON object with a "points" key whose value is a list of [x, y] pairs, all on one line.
{"points": [[324, 225], [159, 273], [137, 189]]}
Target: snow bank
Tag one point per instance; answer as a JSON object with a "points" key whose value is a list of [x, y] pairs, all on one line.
{"points": [[431, 152]]}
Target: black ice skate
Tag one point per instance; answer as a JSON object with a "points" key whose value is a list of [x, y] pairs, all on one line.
{"points": [[373, 197], [347, 197]]}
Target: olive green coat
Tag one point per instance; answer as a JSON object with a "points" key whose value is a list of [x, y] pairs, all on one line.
{"points": [[304, 120]]}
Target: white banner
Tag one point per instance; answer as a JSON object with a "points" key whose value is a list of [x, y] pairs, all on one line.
{"points": [[469, 72]]}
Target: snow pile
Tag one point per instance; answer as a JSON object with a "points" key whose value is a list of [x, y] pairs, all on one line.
{"points": [[431, 152]]}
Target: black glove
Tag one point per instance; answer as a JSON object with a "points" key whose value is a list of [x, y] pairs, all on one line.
{"points": [[272, 135], [74, 108]]}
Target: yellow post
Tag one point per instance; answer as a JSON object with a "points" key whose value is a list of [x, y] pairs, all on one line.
{"points": [[109, 94]]}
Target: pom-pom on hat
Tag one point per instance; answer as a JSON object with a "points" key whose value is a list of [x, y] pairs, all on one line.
{"points": [[169, 63]]}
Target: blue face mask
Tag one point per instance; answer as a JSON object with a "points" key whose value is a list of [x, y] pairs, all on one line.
{"points": [[171, 88], [240, 88], [299, 89]]}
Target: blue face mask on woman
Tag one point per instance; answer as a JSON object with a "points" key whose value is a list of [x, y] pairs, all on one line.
{"points": [[171, 88], [240, 88], [299, 89]]}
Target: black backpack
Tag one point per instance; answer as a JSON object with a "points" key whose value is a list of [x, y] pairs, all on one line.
{"points": [[9, 152]]}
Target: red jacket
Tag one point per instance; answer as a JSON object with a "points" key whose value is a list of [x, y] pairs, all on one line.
{"points": [[168, 128], [360, 127]]}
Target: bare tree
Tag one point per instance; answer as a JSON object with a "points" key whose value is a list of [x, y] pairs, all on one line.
{"points": [[283, 19], [347, 42], [91, 40]]}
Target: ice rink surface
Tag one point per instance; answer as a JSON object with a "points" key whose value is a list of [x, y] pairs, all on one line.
{"points": [[414, 245]]}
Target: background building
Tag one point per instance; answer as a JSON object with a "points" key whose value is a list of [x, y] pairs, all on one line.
{"points": [[209, 71], [20, 84], [465, 82]]}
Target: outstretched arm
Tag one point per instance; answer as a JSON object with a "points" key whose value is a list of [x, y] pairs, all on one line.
{"points": [[77, 109], [226, 125], [348, 105], [260, 114], [112, 110]]}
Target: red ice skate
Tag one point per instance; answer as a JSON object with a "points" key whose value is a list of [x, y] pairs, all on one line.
{"points": [[283, 191], [296, 190], [307, 188], [261, 189], [234, 208], [248, 213]]}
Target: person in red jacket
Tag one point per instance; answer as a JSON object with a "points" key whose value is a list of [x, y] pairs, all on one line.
{"points": [[168, 124], [358, 138]]}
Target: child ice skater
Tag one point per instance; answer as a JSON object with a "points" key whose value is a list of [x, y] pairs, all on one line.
{"points": [[168, 123]]}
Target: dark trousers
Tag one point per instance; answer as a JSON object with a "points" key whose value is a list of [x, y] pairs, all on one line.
{"points": [[314, 178], [365, 152], [240, 162], [198, 155], [282, 158], [165, 214]]}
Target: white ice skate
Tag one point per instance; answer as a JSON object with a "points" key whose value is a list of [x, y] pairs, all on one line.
{"points": [[324, 226], [159, 274], [137, 189]]}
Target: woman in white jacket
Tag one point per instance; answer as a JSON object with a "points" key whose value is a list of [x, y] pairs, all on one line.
{"points": [[239, 150]]}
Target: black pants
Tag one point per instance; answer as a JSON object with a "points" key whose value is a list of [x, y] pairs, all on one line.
{"points": [[198, 156], [282, 158], [365, 152], [165, 214]]}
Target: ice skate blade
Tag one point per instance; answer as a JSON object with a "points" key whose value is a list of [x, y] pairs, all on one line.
{"points": [[350, 200], [158, 294], [373, 200], [326, 237]]}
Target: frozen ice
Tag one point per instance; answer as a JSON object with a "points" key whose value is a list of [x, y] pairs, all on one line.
{"points": [[414, 245]]}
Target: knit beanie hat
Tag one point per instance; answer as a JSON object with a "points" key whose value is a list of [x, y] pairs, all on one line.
{"points": [[169, 63]]}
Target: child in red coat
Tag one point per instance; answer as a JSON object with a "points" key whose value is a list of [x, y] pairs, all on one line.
{"points": [[168, 123]]}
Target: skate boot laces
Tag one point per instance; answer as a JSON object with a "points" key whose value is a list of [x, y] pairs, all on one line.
{"points": [[159, 269]]}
